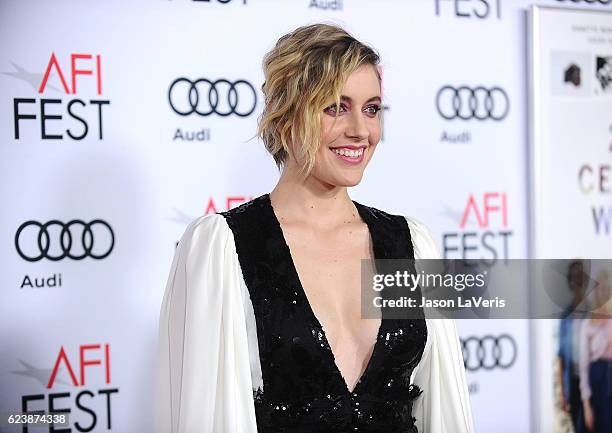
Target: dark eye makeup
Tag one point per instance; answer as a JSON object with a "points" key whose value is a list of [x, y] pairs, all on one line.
{"points": [[371, 109]]}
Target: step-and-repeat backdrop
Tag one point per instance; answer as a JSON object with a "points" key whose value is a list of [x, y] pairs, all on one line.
{"points": [[122, 121]]}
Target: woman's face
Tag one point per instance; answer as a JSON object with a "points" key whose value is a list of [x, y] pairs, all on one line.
{"points": [[349, 136]]}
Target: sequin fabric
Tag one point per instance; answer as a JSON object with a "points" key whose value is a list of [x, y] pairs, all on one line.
{"points": [[303, 390]]}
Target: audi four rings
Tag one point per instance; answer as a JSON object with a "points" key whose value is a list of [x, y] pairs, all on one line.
{"points": [[488, 352], [205, 97], [64, 240], [478, 103]]}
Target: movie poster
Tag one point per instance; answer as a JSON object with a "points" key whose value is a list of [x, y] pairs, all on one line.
{"points": [[571, 215]]}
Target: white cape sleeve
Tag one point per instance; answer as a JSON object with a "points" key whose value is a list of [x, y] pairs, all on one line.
{"points": [[203, 378], [444, 406]]}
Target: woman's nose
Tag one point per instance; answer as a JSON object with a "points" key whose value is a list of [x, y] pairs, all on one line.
{"points": [[357, 127]]}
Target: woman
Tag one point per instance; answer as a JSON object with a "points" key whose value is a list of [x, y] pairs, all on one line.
{"points": [[568, 356], [260, 328], [596, 360]]}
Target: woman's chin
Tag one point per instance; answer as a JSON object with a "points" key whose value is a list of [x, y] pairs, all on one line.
{"points": [[340, 178], [348, 180]]}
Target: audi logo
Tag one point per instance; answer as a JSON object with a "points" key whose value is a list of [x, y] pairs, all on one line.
{"points": [[467, 103], [205, 97], [55, 240], [489, 352]]}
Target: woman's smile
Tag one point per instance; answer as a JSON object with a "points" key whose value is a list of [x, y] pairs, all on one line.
{"points": [[350, 154]]}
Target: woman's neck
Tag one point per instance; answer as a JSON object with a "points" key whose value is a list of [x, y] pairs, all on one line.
{"points": [[311, 201]]}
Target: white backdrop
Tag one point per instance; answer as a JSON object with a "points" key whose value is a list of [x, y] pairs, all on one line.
{"points": [[138, 172]]}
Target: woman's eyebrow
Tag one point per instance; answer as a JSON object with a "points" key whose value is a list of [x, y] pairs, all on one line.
{"points": [[372, 99]]}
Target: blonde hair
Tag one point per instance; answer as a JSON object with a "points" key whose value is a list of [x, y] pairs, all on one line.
{"points": [[304, 69]]}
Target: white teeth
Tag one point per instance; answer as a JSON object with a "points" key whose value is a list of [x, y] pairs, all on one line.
{"points": [[349, 152]]}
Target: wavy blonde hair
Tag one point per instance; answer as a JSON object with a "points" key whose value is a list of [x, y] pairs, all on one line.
{"points": [[304, 69]]}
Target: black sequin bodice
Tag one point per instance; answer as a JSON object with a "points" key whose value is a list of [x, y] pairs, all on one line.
{"points": [[303, 389]]}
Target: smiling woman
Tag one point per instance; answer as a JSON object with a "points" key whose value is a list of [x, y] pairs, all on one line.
{"points": [[313, 70], [261, 327], [351, 129]]}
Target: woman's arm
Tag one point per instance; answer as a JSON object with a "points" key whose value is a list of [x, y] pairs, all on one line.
{"points": [[203, 380], [583, 365], [444, 406], [583, 371]]}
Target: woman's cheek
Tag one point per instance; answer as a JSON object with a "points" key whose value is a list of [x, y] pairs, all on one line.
{"points": [[375, 136]]}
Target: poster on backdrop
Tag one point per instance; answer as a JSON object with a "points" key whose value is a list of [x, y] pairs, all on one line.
{"points": [[571, 160]]}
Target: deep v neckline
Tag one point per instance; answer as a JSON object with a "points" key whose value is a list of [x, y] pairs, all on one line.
{"points": [[310, 312]]}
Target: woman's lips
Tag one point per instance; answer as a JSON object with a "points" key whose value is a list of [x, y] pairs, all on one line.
{"points": [[349, 154]]}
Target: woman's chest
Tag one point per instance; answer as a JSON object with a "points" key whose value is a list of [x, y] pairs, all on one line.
{"points": [[287, 275], [331, 267]]}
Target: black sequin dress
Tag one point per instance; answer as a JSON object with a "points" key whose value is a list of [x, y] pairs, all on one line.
{"points": [[303, 389]]}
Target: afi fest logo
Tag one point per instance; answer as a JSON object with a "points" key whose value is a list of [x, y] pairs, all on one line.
{"points": [[483, 232], [466, 9], [212, 206], [78, 385], [230, 202], [62, 110]]}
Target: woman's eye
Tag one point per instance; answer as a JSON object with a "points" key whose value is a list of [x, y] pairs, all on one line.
{"points": [[372, 109], [331, 110]]}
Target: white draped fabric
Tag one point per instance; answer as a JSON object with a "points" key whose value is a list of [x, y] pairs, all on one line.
{"points": [[208, 359]]}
